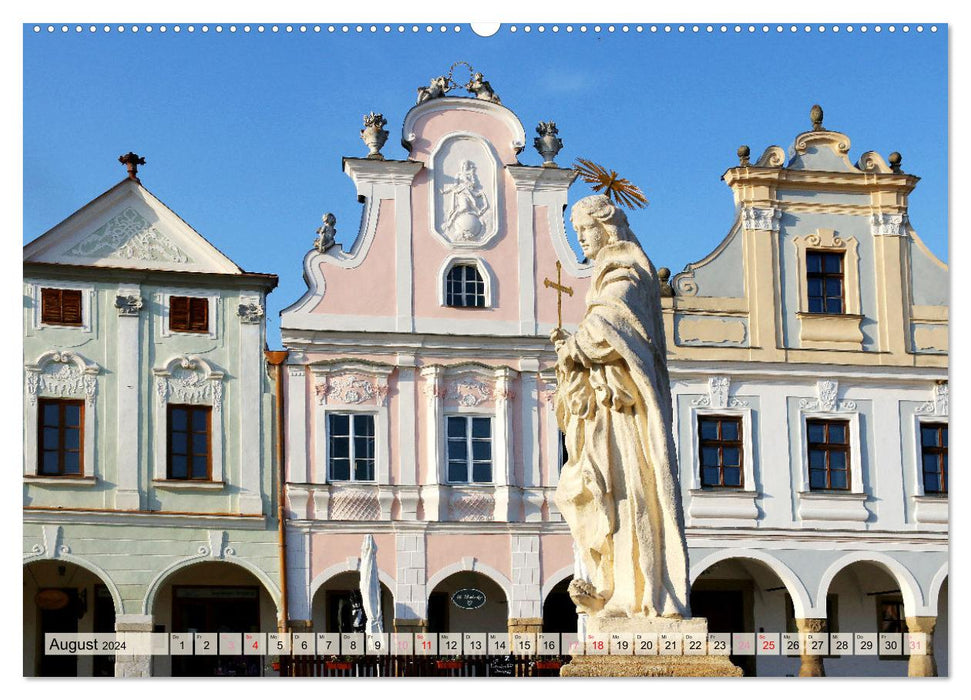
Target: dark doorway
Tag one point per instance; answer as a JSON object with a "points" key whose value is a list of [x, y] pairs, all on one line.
{"points": [[104, 622], [216, 609], [559, 612], [63, 620], [725, 611], [438, 612]]}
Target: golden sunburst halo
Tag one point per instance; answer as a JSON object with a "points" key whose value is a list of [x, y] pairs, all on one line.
{"points": [[617, 189]]}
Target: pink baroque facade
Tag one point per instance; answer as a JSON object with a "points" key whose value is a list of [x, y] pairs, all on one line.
{"points": [[420, 379]]}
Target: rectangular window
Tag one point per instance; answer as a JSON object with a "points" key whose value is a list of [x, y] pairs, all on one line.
{"points": [[189, 314], [720, 451], [61, 437], [828, 445], [824, 280], [351, 445], [60, 307], [469, 449], [190, 442], [933, 456]]}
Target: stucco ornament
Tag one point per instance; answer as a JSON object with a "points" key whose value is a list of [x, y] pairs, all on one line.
{"points": [[374, 134], [437, 87], [129, 236], [481, 88], [548, 144], [618, 491], [326, 233], [466, 202]]}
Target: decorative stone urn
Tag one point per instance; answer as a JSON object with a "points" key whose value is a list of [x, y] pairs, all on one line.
{"points": [[547, 143], [374, 135]]}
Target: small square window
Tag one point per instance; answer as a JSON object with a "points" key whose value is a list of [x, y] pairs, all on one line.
{"points": [[720, 448], [60, 307], [189, 314]]}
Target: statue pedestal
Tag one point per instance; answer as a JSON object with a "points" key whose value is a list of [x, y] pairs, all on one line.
{"points": [[654, 666]]}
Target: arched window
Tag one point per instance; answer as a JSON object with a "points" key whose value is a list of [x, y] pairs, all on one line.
{"points": [[464, 286]]}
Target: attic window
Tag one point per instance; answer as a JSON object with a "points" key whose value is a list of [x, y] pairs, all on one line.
{"points": [[464, 286], [60, 307], [189, 314]]}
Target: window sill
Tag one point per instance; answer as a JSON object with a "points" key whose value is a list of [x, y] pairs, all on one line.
{"points": [[833, 506], [810, 314], [931, 509], [722, 491], [61, 480], [723, 503], [188, 485], [827, 495], [830, 331]]}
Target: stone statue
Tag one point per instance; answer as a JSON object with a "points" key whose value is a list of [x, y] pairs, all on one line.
{"points": [[326, 233], [619, 489], [437, 87], [481, 88], [467, 204]]}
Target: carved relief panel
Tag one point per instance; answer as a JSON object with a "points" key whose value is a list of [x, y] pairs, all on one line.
{"points": [[464, 191]]}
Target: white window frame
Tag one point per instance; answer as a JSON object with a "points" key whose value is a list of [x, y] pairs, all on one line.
{"points": [[919, 422], [459, 413], [163, 299], [377, 442], [748, 449], [485, 272], [37, 388], [377, 375], [87, 304], [856, 454], [210, 393]]}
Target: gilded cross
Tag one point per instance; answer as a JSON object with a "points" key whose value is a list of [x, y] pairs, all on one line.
{"points": [[560, 291]]}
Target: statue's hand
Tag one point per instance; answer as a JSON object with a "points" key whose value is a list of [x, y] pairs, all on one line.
{"points": [[558, 335]]}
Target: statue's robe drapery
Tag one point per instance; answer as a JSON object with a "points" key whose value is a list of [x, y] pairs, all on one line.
{"points": [[618, 490]]}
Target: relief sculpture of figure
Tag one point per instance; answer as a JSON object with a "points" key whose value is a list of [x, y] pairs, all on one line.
{"points": [[618, 490], [467, 204]]}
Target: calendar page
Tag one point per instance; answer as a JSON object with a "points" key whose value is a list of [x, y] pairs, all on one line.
{"points": [[378, 349]]}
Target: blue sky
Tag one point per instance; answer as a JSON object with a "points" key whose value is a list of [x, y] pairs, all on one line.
{"points": [[244, 133]]}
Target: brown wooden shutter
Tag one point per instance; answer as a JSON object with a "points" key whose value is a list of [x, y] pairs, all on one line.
{"points": [[179, 313], [199, 315], [71, 306], [50, 305]]}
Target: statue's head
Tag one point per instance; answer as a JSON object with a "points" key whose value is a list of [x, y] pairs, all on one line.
{"points": [[599, 222]]}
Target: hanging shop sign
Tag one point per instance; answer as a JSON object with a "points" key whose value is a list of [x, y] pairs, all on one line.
{"points": [[468, 598]]}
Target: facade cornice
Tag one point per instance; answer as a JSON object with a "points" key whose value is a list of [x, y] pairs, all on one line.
{"points": [[127, 518], [785, 178], [244, 280], [798, 538]]}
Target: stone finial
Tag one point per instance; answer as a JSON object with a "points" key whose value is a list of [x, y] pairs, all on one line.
{"points": [[131, 161], [743, 153], [326, 233], [374, 134], [816, 116], [895, 159], [547, 143], [664, 276]]}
